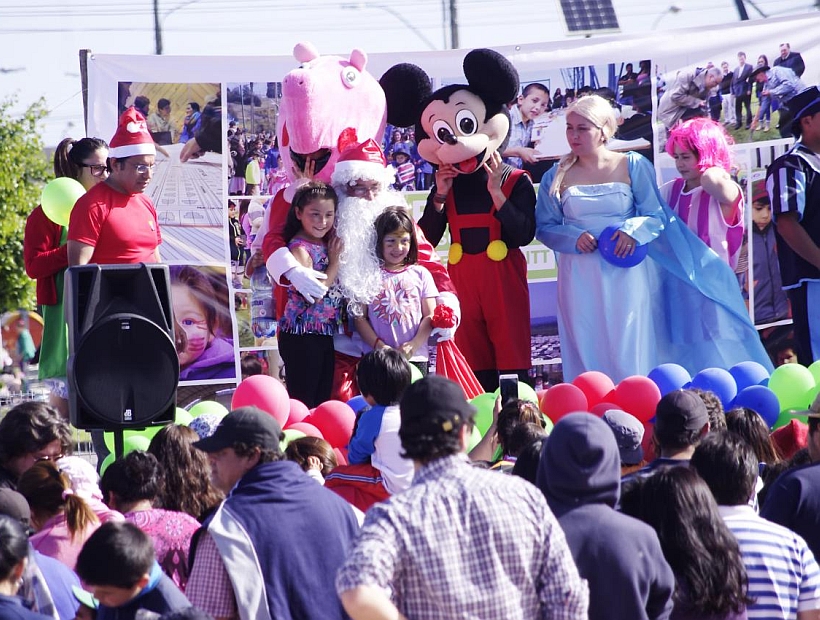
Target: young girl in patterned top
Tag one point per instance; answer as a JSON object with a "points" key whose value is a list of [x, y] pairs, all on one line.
{"points": [[705, 196], [401, 314], [306, 330]]}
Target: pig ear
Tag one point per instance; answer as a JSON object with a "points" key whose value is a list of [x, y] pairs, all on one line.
{"points": [[358, 59], [305, 52]]}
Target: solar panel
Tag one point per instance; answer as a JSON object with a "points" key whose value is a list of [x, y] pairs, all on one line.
{"points": [[589, 16]]}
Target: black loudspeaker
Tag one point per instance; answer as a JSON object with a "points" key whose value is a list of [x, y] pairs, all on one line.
{"points": [[123, 368]]}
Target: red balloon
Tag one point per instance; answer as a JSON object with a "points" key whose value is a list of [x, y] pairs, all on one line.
{"points": [[601, 408], [341, 457], [335, 420], [298, 412], [562, 399], [595, 386], [307, 429], [265, 392], [639, 396]]}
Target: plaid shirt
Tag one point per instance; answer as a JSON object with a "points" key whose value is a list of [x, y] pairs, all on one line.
{"points": [[209, 585], [462, 542]]}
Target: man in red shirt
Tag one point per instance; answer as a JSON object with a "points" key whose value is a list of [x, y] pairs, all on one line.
{"points": [[114, 222]]}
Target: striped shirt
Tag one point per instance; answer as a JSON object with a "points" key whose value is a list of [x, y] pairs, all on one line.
{"points": [[704, 217], [463, 542], [783, 575]]}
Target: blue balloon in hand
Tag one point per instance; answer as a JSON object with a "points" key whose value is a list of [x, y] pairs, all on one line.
{"points": [[606, 246]]}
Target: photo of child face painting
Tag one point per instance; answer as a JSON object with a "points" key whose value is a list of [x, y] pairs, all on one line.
{"points": [[202, 320]]}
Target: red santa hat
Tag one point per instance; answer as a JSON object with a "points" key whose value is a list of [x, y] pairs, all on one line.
{"points": [[132, 136], [365, 162]]}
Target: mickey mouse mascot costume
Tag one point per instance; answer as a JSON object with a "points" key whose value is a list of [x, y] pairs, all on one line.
{"points": [[489, 206]]}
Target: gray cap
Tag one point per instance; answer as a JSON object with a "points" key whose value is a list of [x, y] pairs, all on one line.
{"points": [[628, 432]]}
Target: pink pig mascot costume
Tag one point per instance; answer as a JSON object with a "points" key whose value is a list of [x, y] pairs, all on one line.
{"points": [[329, 104]]}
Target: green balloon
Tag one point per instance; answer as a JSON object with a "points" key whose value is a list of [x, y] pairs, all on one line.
{"points": [[58, 199], [106, 462], [786, 416], [814, 369], [415, 374], [183, 417], [148, 433], [475, 437], [793, 385], [484, 404], [290, 434], [136, 442], [208, 406]]}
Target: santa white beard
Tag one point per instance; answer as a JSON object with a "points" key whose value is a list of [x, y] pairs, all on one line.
{"points": [[359, 268]]}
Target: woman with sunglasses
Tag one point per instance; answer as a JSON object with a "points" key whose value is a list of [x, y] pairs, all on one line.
{"points": [[46, 258]]}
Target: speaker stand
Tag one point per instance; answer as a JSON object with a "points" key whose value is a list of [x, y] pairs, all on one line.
{"points": [[119, 444]]}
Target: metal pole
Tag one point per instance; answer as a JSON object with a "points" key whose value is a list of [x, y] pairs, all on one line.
{"points": [[453, 25], [741, 10], [157, 30]]}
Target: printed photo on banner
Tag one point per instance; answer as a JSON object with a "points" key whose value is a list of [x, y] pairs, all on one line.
{"points": [[254, 165], [746, 89], [203, 322], [186, 188]]}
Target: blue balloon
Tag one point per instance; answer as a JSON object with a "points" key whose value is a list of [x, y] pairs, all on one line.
{"points": [[606, 246], [357, 403], [719, 381], [749, 373], [669, 377], [760, 399]]}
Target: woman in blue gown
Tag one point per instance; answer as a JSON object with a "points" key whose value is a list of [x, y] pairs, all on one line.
{"points": [[681, 304]]}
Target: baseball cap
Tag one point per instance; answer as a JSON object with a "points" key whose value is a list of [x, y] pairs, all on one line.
{"points": [[680, 410], [249, 425], [628, 432], [14, 505], [432, 406], [85, 597]]}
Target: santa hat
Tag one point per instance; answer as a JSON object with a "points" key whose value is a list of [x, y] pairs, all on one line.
{"points": [[365, 162], [132, 136]]}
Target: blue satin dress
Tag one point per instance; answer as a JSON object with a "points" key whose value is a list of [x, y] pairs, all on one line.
{"points": [[681, 304]]}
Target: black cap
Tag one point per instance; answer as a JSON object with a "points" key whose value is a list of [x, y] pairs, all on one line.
{"points": [[758, 70], [681, 410], [248, 425], [434, 405], [805, 103]]}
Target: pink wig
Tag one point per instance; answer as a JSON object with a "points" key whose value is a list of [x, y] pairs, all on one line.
{"points": [[706, 139]]}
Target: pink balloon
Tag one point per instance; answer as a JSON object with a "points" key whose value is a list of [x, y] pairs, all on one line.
{"points": [[595, 386], [562, 399], [298, 411], [601, 408], [335, 419], [307, 429], [639, 396], [265, 392]]}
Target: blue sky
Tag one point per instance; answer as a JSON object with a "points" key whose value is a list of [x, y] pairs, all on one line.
{"points": [[40, 39]]}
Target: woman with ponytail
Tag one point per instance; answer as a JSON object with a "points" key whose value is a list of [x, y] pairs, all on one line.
{"points": [[624, 317], [46, 258], [62, 519]]}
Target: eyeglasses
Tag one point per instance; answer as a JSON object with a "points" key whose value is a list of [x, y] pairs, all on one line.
{"points": [[363, 191], [97, 170], [144, 168]]}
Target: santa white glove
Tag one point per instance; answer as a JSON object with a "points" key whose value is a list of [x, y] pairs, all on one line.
{"points": [[307, 281], [442, 334]]}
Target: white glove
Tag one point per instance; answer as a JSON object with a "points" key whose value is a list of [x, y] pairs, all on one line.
{"points": [[308, 282], [448, 333]]}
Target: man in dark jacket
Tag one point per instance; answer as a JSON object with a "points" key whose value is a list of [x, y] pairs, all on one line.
{"points": [[620, 557], [790, 60], [272, 549]]}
